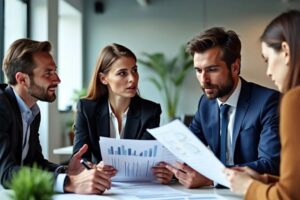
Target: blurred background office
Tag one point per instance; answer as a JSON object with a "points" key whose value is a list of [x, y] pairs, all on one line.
{"points": [[78, 29]]}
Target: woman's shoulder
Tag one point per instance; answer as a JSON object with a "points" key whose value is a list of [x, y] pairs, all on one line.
{"points": [[92, 103], [147, 103], [292, 94], [290, 103]]}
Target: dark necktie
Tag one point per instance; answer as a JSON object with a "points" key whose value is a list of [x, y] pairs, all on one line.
{"points": [[223, 126]]}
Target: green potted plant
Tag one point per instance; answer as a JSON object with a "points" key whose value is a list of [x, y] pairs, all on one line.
{"points": [[32, 184], [170, 76]]}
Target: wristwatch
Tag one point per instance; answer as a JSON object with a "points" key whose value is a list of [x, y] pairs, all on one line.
{"points": [[62, 169]]}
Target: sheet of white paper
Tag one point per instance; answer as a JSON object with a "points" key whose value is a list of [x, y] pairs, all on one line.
{"points": [[146, 190], [176, 137], [133, 158]]}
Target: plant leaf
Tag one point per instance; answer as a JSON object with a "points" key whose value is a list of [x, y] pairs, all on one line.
{"points": [[156, 83], [171, 74], [32, 183]]}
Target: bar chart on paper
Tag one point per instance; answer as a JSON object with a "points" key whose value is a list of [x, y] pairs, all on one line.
{"points": [[133, 159], [122, 150], [135, 167]]}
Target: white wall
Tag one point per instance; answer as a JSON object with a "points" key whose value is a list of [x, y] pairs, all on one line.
{"points": [[164, 25]]}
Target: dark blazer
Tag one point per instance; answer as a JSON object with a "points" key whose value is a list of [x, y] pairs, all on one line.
{"points": [[92, 121], [255, 139], [11, 137]]}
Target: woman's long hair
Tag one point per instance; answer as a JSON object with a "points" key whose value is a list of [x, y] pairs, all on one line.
{"points": [[105, 59], [286, 28]]}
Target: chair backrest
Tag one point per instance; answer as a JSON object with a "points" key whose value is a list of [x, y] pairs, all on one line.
{"points": [[187, 119]]}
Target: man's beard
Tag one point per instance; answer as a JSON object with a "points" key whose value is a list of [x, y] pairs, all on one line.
{"points": [[41, 93], [221, 91]]}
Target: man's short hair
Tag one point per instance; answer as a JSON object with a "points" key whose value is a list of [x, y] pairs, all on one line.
{"points": [[19, 57], [227, 41]]}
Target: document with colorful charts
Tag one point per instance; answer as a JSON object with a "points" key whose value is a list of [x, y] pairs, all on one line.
{"points": [[187, 147], [133, 159]]}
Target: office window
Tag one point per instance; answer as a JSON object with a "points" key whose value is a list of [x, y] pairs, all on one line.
{"points": [[1, 37], [69, 54], [14, 23]]}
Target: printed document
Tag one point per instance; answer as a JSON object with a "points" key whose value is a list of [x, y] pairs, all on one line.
{"points": [[176, 137], [133, 159]]}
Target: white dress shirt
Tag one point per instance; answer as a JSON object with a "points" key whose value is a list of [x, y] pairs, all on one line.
{"points": [[114, 125], [232, 101], [28, 115]]}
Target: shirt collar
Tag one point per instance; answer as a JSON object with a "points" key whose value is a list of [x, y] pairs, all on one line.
{"points": [[27, 113], [234, 97]]}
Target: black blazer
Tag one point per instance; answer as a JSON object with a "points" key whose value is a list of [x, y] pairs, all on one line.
{"points": [[92, 121], [11, 137]]}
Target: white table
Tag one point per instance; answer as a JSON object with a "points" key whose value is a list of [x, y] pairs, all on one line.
{"points": [[223, 193], [210, 193], [4, 194], [64, 150]]}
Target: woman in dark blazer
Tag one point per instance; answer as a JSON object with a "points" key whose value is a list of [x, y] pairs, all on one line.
{"points": [[112, 107]]}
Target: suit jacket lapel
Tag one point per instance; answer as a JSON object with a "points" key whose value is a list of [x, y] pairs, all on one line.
{"points": [[241, 111], [133, 119], [102, 125], [12, 98], [102, 119]]}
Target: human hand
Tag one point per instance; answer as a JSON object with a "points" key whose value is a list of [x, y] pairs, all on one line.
{"points": [[74, 166], [91, 181], [239, 180], [84, 181], [162, 174], [188, 177], [107, 169], [255, 175]]}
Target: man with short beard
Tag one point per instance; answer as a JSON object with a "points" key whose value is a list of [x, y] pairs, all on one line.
{"points": [[249, 118], [31, 75]]}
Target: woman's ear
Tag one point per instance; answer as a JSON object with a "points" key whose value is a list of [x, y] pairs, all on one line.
{"points": [[102, 78], [286, 50]]}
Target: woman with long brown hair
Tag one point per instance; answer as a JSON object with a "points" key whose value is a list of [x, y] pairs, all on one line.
{"points": [[281, 51], [112, 107]]}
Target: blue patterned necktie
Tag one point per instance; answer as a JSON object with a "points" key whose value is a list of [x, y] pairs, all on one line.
{"points": [[224, 108]]}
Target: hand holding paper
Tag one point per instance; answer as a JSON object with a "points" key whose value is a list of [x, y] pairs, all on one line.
{"points": [[189, 177], [178, 139]]}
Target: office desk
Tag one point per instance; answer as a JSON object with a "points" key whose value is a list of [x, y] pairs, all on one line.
{"points": [[221, 193], [64, 150], [176, 192], [4, 194]]}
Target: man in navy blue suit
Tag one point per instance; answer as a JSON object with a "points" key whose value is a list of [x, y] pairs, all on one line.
{"points": [[250, 133]]}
